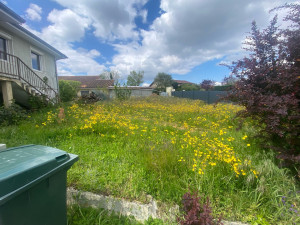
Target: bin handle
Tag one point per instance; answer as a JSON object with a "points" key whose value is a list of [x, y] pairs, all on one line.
{"points": [[62, 157]]}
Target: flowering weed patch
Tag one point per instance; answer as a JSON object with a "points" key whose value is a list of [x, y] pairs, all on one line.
{"points": [[163, 147]]}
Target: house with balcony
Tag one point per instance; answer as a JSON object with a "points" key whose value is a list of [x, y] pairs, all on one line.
{"points": [[27, 63]]}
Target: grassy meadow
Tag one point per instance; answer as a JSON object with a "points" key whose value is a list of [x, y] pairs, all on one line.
{"points": [[164, 147]]}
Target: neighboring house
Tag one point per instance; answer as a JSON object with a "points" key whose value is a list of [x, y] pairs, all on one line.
{"points": [[27, 63], [89, 84], [179, 82], [95, 84]]}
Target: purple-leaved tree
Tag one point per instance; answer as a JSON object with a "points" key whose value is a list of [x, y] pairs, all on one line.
{"points": [[269, 82]]}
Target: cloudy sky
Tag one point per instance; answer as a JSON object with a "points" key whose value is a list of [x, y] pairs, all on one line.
{"points": [[185, 38]]}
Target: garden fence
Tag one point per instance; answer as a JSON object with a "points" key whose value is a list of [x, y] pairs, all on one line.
{"points": [[206, 96]]}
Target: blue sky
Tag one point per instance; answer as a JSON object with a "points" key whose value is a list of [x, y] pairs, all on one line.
{"points": [[187, 39]]}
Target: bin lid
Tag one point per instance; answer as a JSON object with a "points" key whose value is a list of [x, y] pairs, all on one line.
{"points": [[22, 167]]}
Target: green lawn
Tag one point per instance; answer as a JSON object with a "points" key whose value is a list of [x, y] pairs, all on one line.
{"points": [[163, 147]]}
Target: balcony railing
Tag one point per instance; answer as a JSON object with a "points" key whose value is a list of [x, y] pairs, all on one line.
{"points": [[13, 67]]}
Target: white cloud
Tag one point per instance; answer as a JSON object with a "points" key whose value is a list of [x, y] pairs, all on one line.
{"points": [[67, 26], [144, 14], [111, 19], [79, 63], [191, 32], [34, 12], [145, 84], [94, 53], [186, 34]]}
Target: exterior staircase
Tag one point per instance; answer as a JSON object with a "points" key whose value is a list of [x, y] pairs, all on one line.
{"points": [[25, 82]]}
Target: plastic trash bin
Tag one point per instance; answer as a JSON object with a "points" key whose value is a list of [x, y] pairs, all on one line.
{"points": [[33, 185]]}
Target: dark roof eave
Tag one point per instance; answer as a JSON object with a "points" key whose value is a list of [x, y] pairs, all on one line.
{"points": [[11, 13]]}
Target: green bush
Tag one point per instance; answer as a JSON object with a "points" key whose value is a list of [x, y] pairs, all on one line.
{"points": [[12, 115], [37, 102], [68, 90], [188, 87], [122, 93]]}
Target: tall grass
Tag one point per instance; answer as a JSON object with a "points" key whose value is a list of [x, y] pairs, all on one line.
{"points": [[86, 216], [89, 216], [164, 147]]}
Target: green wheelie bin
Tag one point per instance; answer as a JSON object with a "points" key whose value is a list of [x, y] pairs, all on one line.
{"points": [[33, 185]]}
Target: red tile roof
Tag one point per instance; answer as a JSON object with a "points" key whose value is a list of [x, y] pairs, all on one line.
{"points": [[89, 81]]}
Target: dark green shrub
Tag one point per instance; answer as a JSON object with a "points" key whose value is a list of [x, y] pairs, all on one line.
{"points": [[207, 84], [156, 92], [12, 115], [37, 102], [163, 80], [188, 87], [68, 90]]}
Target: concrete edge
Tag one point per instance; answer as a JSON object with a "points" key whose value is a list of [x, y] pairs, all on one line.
{"points": [[2, 147], [141, 212]]}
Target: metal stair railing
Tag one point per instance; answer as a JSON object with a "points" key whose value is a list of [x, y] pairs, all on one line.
{"points": [[13, 67]]}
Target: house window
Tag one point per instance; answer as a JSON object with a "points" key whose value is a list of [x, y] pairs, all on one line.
{"points": [[3, 49], [36, 61]]}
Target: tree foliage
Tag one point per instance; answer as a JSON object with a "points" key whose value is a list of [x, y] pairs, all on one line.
{"points": [[175, 85], [230, 80], [135, 78], [207, 84], [188, 87], [110, 75], [68, 89], [122, 93], [268, 82], [163, 80]]}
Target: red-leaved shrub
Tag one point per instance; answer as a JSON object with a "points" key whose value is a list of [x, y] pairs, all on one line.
{"points": [[269, 82], [196, 213]]}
